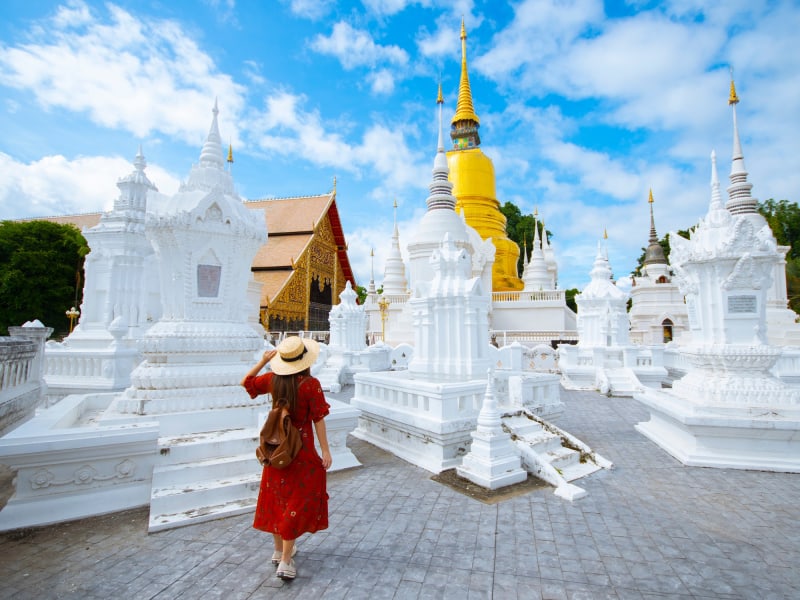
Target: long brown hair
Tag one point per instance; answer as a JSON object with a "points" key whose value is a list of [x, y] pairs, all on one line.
{"points": [[284, 387]]}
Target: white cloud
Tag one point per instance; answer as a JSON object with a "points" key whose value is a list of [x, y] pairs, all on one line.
{"points": [[55, 185], [383, 153], [382, 82], [388, 7], [310, 9], [356, 48], [124, 72]]}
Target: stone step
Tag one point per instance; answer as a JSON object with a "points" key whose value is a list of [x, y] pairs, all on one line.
{"points": [[179, 505], [204, 445], [215, 468]]}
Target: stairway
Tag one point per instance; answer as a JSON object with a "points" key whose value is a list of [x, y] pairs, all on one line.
{"points": [[554, 447], [623, 382], [203, 476]]}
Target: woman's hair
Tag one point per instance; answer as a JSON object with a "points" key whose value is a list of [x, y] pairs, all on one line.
{"points": [[284, 387]]}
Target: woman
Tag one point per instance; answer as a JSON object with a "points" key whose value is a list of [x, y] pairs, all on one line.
{"points": [[294, 500]]}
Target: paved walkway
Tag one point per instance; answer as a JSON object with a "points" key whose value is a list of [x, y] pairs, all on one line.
{"points": [[649, 528]]}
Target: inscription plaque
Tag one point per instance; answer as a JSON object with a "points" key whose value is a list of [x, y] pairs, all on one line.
{"points": [[743, 304], [208, 277]]}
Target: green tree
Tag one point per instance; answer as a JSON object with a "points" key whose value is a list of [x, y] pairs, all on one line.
{"points": [[569, 295], [361, 293], [41, 272], [783, 218], [519, 228]]}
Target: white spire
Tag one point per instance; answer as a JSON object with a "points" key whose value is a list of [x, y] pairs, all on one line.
{"points": [[536, 277], [394, 275], [211, 154], [210, 173], [441, 196], [739, 199], [133, 187], [371, 287]]}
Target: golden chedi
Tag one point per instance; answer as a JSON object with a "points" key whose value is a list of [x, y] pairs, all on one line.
{"points": [[472, 175]]}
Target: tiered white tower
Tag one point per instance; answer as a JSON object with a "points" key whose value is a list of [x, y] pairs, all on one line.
{"points": [[536, 275], [119, 301], [394, 275], [450, 320], [658, 311], [729, 410], [425, 414], [205, 240], [604, 359]]}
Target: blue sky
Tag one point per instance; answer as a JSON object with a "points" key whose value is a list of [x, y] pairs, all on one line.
{"points": [[584, 106]]}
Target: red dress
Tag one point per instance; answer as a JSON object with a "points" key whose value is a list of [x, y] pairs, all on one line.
{"points": [[294, 500]]}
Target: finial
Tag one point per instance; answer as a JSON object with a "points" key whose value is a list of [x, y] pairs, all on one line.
{"points": [[230, 153], [733, 98], [650, 198], [535, 212], [440, 97], [334, 184], [463, 29], [605, 233], [395, 204], [215, 110]]}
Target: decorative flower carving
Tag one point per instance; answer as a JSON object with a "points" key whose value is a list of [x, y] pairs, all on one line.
{"points": [[125, 468], [84, 475], [42, 479]]}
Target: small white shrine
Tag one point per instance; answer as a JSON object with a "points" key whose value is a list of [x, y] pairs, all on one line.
{"points": [[658, 311], [604, 359], [347, 352], [729, 410], [120, 300]]}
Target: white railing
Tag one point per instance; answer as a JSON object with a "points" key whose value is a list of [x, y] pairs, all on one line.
{"points": [[504, 337], [16, 361], [534, 296]]}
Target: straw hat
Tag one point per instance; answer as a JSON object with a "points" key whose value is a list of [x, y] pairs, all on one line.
{"points": [[294, 355]]}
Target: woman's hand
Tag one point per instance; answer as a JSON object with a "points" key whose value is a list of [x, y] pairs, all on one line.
{"points": [[327, 461], [269, 355]]}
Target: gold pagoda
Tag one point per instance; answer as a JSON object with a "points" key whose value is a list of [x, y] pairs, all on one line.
{"points": [[472, 175]]}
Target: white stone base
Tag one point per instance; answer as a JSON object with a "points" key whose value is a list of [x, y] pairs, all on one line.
{"points": [[757, 438], [68, 468], [427, 424], [79, 458]]}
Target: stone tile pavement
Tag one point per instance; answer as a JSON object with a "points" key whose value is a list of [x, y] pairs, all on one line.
{"points": [[650, 528]]}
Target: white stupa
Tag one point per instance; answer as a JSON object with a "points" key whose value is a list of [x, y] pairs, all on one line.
{"points": [[536, 276], [658, 311], [347, 352], [604, 359], [120, 301], [729, 410], [394, 275]]}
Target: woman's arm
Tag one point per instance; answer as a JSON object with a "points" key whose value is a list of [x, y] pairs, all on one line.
{"points": [[267, 356], [322, 436]]}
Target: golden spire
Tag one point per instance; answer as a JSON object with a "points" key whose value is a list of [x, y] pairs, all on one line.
{"points": [[465, 111], [334, 185], [650, 198], [440, 97], [230, 154], [733, 98], [605, 233]]}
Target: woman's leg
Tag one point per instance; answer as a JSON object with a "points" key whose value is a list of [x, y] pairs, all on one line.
{"points": [[288, 547], [278, 542]]}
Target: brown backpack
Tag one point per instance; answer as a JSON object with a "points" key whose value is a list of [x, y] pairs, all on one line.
{"points": [[280, 440]]}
